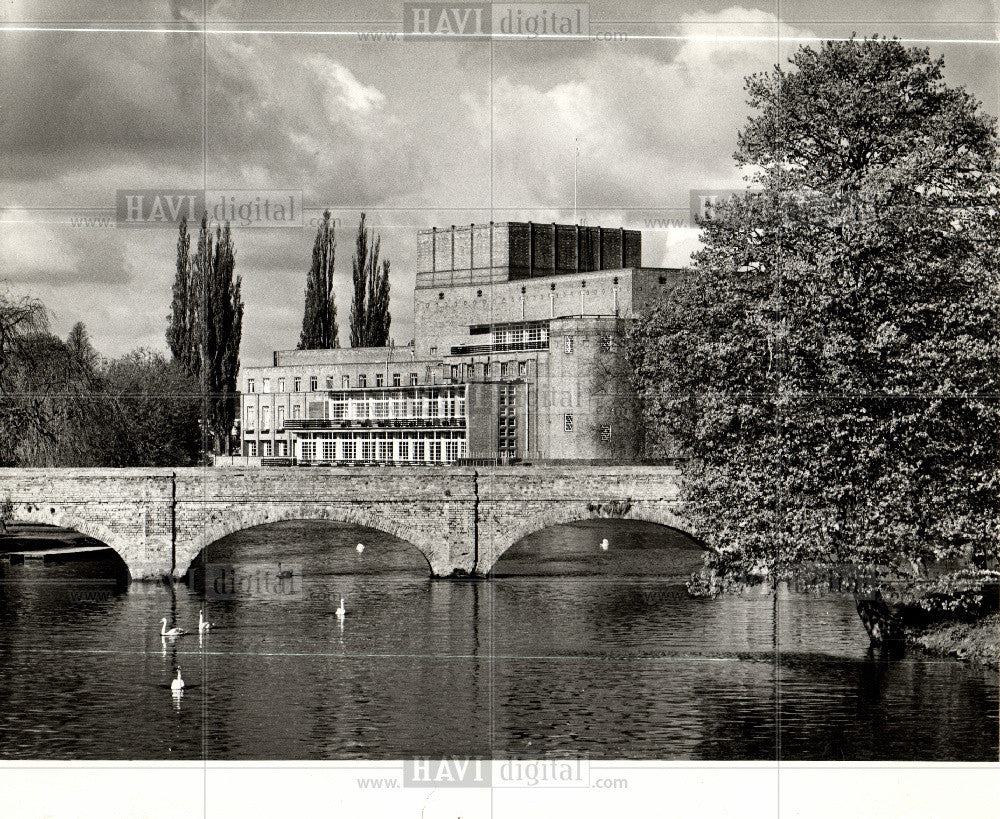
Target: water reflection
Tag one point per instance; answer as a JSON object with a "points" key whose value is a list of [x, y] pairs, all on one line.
{"points": [[603, 654]]}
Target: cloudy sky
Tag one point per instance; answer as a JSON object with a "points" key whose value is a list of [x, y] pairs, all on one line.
{"points": [[98, 97]]}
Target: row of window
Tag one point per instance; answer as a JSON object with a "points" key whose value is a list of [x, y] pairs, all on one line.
{"points": [[440, 448], [345, 382], [365, 407]]}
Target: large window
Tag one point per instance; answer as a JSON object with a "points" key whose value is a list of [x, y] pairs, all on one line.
{"points": [[265, 449], [297, 385], [396, 380], [265, 419], [308, 450], [251, 385], [251, 417], [313, 383], [379, 380], [367, 450], [296, 411], [350, 450], [414, 380], [362, 381], [252, 449], [281, 418]]}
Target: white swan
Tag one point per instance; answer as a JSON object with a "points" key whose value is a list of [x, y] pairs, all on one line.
{"points": [[170, 632], [203, 624], [177, 685], [360, 548], [604, 545], [341, 612]]}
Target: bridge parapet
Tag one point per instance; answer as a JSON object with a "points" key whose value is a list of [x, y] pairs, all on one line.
{"points": [[461, 518]]}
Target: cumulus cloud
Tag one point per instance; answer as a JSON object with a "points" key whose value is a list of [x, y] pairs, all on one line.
{"points": [[443, 133]]}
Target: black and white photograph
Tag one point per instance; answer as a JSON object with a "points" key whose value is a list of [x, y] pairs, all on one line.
{"points": [[468, 409]]}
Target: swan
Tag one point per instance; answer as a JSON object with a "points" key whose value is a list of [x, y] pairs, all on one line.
{"points": [[341, 612], [177, 685], [604, 545], [360, 548], [203, 624], [169, 632]]}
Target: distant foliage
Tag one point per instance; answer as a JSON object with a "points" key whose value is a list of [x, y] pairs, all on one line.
{"points": [[830, 364], [319, 319]]}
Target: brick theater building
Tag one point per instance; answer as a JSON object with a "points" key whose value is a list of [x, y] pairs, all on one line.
{"points": [[515, 357]]}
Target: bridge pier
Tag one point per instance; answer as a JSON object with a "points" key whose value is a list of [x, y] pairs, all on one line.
{"points": [[461, 519]]}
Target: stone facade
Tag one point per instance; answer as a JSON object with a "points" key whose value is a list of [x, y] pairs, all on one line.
{"points": [[528, 312], [461, 519]]}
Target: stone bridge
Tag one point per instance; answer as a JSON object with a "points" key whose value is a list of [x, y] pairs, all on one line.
{"points": [[461, 518]]}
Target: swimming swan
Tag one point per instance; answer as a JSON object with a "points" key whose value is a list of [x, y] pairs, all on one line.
{"points": [[604, 545], [360, 548], [170, 632], [341, 612], [177, 685], [203, 624]]}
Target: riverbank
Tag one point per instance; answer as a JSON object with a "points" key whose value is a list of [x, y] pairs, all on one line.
{"points": [[977, 642]]}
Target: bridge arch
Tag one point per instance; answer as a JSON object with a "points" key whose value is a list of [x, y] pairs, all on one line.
{"points": [[220, 525], [515, 529], [66, 519]]}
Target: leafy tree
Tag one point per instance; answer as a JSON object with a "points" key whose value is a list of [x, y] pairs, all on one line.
{"points": [[319, 320], [830, 364], [370, 317], [153, 406]]}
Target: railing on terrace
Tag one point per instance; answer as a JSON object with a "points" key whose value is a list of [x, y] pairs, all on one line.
{"points": [[305, 425]]}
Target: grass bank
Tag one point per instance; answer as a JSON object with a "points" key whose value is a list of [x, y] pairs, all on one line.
{"points": [[977, 642]]}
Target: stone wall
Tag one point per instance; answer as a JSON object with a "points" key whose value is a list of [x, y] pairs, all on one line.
{"points": [[461, 519]]}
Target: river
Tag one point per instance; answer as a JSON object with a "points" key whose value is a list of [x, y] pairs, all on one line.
{"points": [[570, 650]]}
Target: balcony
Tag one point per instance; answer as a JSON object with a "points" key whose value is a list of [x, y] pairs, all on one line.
{"points": [[312, 424], [514, 347]]}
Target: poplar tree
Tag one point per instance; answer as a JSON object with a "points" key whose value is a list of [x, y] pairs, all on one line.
{"points": [[182, 330], [370, 317], [220, 329], [319, 319]]}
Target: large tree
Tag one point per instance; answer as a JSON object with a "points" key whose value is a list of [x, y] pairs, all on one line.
{"points": [[182, 330], [220, 328], [370, 317], [830, 364], [206, 325], [319, 319]]}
